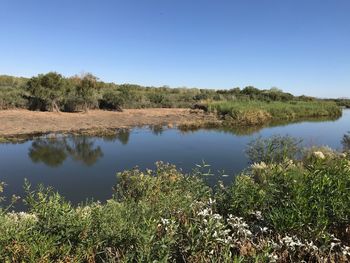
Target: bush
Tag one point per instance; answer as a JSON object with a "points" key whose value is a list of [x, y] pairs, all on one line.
{"points": [[12, 98], [111, 100], [292, 197], [275, 149]]}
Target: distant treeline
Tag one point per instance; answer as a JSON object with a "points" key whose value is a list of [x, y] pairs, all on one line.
{"points": [[54, 92]]}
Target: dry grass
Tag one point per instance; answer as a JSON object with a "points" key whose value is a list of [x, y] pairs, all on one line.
{"points": [[20, 122]]}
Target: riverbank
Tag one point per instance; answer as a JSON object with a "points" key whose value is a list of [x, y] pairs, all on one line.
{"points": [[164, 215], [20, 124], [16, 123]]}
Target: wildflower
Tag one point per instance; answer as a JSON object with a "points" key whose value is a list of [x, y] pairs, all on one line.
{"points": [[319, 155], [239, 226], [346, 251], [16, 217], [204, 212], [273, 258], [292, 242], [257, 214], [165, 221], [312, 246], [217, 216], [211, 201], [259, 166]]}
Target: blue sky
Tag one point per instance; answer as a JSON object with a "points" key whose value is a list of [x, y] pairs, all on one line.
{"points": [[301, 46]]}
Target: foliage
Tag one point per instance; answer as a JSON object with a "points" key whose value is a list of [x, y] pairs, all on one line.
{"points": [[258, 112], [13, 98], [346, 142], [86, 89], [249, 105], [292, 197], [111, 100], [48, 88], [275, 149], [286, 212]]}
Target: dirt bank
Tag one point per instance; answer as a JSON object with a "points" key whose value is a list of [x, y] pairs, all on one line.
{"points": [[23, 122]]}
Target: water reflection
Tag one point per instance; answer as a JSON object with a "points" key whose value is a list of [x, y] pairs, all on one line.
{"points": [[250, 130], [82, 149], [122, 135], [53, 151], [157, 129]]}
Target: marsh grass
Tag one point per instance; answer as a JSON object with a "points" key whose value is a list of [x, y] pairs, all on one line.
{"points": [[259, 112]]}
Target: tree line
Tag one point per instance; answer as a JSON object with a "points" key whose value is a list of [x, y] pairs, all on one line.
{"points": [[55, 92]]}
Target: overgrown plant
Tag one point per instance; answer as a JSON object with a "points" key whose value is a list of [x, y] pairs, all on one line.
{"points": [[274, 149]]}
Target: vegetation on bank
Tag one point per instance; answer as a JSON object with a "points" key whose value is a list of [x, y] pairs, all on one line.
{"points": [[288, 209], [54, 92], [260, 112]]}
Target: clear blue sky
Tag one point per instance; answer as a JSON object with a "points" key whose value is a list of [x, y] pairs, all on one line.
{"points": [[301, 46]]}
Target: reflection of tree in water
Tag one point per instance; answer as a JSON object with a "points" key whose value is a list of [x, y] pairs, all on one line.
{"points": [[249, 130], [49, 151], [157, 129], [82, 149], [53, 151], [122, 135], [346, 142]]}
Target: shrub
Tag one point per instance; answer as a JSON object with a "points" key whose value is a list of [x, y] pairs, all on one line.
{"points": [[12, 98], [275, 149], [292, 197], [111, 100]]}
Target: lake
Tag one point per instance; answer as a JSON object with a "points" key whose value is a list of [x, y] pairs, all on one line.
{"points": [[82, 168]]}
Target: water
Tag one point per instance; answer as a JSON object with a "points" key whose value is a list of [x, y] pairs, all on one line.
{"points": [[82, 168]]}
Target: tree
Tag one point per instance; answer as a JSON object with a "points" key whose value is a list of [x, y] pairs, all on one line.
{"points": [[48, 88], [86, 89]]}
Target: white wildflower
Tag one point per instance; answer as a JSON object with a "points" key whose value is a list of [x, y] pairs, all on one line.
{"points": [[217, 216], [205, 212], [257, 214], [273, 258], [319, 155], [165, 221], [259, 166], [15, 217], [346, 251], [211, 201], [292, 242]]}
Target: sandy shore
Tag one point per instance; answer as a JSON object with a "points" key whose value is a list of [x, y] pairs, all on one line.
{"points": [[24, 122]]}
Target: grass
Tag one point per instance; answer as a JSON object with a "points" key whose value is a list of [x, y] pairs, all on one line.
{"points": [[258, 112], [285, 211]]}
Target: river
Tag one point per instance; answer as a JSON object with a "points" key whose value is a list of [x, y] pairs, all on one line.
{"points": [[82, 168]]}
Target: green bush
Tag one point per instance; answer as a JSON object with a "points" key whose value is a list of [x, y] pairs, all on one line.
{"points": [[111, 100], [13, 98], [292, 197], [274, 149]]}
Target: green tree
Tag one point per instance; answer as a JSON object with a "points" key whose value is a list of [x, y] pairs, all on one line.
{"points": [[86, 89], [48, 88]]}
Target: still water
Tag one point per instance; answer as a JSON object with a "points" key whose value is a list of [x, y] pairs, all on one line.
{"points": [[84, 168]]}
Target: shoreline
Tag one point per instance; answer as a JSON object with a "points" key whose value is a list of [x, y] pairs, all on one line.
{"points": [[19, 125], [23, 123]]}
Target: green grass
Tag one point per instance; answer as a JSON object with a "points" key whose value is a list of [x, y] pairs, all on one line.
{"points": [[288, 211], [258, 112]]}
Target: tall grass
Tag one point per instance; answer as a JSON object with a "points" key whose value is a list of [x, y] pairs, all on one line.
{"points": [[259, 112]]}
